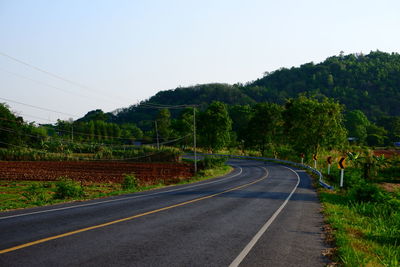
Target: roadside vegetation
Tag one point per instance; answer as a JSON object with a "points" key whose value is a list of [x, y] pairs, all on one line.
{"points": [[363, 217], [27, 194]]}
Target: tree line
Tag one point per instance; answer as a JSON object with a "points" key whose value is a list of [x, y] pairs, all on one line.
{"points": [[369, 83]]}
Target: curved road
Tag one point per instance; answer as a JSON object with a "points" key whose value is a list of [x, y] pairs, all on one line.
{"points": [[261, 214]]}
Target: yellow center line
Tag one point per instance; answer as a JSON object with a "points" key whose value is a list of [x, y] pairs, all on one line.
{"points": [[125, 219]]}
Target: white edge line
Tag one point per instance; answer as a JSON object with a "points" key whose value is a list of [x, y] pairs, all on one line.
{"points": [[254, 240], [120, 199]]}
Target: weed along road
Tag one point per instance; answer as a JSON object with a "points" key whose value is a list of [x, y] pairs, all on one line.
{"points": [[261, 214]]}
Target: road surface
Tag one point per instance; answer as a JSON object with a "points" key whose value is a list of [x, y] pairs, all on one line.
{"points": [[261, 214]]}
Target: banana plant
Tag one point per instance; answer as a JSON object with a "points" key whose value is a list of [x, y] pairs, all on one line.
{"points": [[368, 162]]}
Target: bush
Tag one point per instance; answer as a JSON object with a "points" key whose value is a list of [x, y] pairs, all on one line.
{"points": [[36, 194], [366, 192], [130, 182], [211, 162], [67, 188]]}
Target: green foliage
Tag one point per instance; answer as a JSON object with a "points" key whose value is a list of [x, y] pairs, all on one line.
{"points": [[368, 162], [376, 135], [67, 188], [311, 124], [210, 162], [365, 219], [356, 123], [130, 182], [366, 192], [215, 126], [36, 194], [361, 82], [164, 124], [265, 127]]}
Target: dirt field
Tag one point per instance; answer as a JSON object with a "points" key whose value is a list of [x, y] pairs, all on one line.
{"points": [[387, 153], [147, 173]]}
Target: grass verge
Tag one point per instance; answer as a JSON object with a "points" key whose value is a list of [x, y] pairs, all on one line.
{"points": [[366, 233], [28, 194]]}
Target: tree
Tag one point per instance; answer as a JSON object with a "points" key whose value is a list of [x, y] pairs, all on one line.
{"points": [[164, 123], [183, 126], [240, 115], [311, 124], [356, 124], [10, 127], [392, 125], [265, 126], [215, 126], [376, 135]]}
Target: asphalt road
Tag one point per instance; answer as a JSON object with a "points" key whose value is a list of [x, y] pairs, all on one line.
{"points": [[259, 215]]}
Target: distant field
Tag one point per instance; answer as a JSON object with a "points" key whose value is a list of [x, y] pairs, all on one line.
{"points": [[147, 173]]}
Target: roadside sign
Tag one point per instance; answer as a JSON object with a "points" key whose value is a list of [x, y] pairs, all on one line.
{"points": [[302, 155], [314, 156], [341, 163], [329, 160]]}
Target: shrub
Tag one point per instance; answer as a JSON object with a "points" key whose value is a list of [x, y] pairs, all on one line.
{"points": [[366, 192], [67, 188], [130, 182], [36, 194], [211, 162]]}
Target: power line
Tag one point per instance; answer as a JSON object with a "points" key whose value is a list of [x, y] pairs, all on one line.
{"points": [[84, 143], [45, 84], [54, 75], [87, 159], [40, 108]]}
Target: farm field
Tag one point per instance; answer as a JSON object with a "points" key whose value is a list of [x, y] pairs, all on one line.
{"points": [[146, 173], [29, 184]]}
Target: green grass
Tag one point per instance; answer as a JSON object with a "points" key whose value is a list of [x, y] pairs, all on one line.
{"points": [[366, 233], [27, 194]]}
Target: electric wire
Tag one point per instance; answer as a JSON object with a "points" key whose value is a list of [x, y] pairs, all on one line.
{"points": [[87, 159], [48, 85], [84, 143], [40, 108]]}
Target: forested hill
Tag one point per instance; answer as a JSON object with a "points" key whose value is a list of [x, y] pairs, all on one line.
{"points": [[370, 83]]}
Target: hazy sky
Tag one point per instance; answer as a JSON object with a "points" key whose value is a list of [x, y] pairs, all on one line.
{"points": [[122, 52]]}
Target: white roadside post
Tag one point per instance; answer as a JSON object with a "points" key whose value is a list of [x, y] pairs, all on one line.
{"points": [[302, 158], [341, 166], [315, 160], [329, 160], [341, 177]]}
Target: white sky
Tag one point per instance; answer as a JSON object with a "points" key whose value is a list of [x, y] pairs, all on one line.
{"points": [[127, 51]]}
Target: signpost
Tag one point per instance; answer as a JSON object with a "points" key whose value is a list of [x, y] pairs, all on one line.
{"points": [[342, 166], [314, 156], [329, 160], [302, 158]]}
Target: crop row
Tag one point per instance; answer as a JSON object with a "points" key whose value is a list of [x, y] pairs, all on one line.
{"points": [[147, 173]]}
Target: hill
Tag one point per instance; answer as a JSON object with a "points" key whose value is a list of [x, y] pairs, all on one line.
{"points": [[370, 83]]}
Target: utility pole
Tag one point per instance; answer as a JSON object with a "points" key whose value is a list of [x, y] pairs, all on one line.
{"points": [[72, 132], [194, 139], [158, 142]]}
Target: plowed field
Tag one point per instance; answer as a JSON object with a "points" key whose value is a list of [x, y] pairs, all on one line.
{"points": [[147, 173]]}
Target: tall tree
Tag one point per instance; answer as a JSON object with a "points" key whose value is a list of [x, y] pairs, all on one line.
{"points": [[356, 124], [265, 126], [240, 115], [164, 123], [311, 124], [215, 126]]}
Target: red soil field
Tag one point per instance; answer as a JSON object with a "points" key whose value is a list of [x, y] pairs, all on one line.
{"points": [[387, 153], [147, 173]]}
